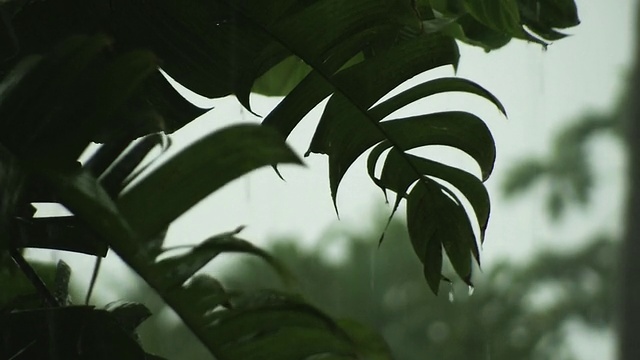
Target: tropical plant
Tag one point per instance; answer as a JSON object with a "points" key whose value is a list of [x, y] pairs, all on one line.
{"points": [[523, 310], [76, 72]]}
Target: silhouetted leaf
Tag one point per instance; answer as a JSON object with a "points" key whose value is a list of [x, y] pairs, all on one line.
{"points": [[369, 343], [128, 314], [175, 270], [269, 322], [432, 217], [62, 233], [197, 171], [432, 87]]}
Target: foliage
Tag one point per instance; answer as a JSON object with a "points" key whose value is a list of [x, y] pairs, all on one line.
{"points": [[518, 311], [566, 169], [76, 72]]}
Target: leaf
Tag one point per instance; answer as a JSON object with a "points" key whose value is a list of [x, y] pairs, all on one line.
{"points": [[170, 110], [346, 130], [434, 221], [197, 171], [282, 78], [175, 270], [129, 315], [222, 48], [433, 87], [502, 15], [66, 333], [396, 177], [545, 16], [59, 233], [81, 194], [369, 343], [466, 28], [69, 98], [114, 179], [268, 322]]}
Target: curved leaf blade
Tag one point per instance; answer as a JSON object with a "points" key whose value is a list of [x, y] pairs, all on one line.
{"points": [[397, 177], [434, 219], [437, 86], [177, 269], [197, 171]]}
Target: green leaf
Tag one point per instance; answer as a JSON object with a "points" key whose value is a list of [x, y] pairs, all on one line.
{"points": [[398, 177], [433, 87], [422, 226], [433, 219], [502, 15], [544, 16], [175, 270], [169, 110], [199, 170], [129, 315], [122, 169], [346, 130], [82, 194], [70, 98], [282, 78], [471, 31], [59, 233], [66, 333], [222, 50], [369, 343], [268, 322]]}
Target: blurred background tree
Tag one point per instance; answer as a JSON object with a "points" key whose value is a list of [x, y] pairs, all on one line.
{"points": [[518, 311]]}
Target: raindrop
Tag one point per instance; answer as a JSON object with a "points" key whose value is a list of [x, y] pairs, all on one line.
{"points": [[451, 295], [471, 290]]}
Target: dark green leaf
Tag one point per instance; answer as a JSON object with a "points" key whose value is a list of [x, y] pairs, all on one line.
{"points": [[502, 15], [128, 314], [282, 78], [113, 180], [61, 233], [258, 322], [422, 226], [549, 14], [400, 171], [175, 270], [66, 333], [197, 171], [433, 87], [369, 343], [432, 216]]}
